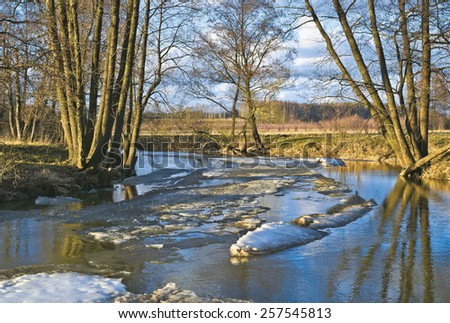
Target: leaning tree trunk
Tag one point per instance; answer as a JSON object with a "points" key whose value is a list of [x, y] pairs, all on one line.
{"points": [[425, 76]]}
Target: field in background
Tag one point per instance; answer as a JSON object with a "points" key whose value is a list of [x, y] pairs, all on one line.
{"points": [[215, 126]]}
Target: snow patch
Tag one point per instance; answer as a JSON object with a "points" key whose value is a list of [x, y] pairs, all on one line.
{"points": [[60, 288], [322, 221], [331, 162], [271, 237], [157, 246]]}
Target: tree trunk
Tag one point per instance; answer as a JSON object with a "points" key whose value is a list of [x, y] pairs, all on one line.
{"points": [[95, 76], [33, 126], [104, 122], [80, 100], [52, 28], [128, 69], [141, 100], [234, 111], [68, 77], [18, 109], [392, 105], [244, 134], [12, 122], [425, 76], [252, 115], [411, 115]]}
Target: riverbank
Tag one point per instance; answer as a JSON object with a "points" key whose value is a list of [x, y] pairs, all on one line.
{"points": [[29, 170]]}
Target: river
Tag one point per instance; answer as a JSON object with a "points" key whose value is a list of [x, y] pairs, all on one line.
{"points": [[398, 252]]}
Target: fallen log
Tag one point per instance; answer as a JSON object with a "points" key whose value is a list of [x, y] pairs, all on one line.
{"points": [[437, 155]]}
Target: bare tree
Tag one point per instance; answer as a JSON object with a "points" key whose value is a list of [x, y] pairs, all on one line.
{"points": [[242, 46], [161, 52], [391, 50], [23, 56]]}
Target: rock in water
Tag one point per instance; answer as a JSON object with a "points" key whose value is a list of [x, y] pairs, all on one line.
{"points": [[303, 221], [271, 237]]}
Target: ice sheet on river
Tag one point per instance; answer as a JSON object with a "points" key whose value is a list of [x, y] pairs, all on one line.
{"points": [[271, 237], [60, 287], [349, 210]]}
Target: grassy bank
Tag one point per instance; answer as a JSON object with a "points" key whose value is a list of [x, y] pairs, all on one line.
{"points": [[31, 170], [345, 145]]}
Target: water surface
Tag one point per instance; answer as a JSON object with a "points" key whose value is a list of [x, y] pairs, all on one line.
{"points": [[399, 252]]}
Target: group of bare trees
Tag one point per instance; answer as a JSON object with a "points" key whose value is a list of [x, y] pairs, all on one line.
{"points": [[109, 61], [26, 107], [98, 64], [386, 52], [95, 64]]}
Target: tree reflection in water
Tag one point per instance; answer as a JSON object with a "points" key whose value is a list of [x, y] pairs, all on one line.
{"points": [[407, 263]]}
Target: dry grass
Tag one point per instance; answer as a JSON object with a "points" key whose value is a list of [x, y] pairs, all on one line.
{"points": [[218, 126], [439, 171], [31, 170]]}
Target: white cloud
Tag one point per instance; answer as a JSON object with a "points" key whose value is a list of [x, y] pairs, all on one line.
{"points": [[308, 36]]}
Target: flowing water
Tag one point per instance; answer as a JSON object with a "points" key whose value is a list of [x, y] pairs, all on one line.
{"points": [[398, 252]]}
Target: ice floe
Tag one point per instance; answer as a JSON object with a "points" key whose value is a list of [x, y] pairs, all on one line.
{"points": [[328, 186], [68, 287], [271, 237], [338, 215], [215, 172], [171, 294], [115, 236]]}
